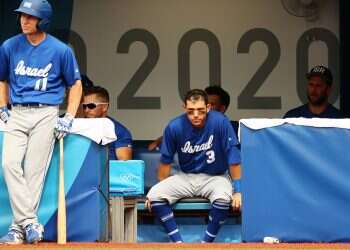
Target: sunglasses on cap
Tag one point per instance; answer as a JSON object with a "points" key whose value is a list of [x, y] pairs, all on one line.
{"points": [[92, 105]]}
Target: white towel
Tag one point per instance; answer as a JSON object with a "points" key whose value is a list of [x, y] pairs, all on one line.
{"points": [[100, 130]]}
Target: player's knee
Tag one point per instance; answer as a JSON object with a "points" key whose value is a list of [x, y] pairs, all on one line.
{"points": [[154, 194], [10, 165], [222, 197], [223, 201]]}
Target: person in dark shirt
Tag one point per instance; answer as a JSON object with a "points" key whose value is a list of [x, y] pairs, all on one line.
{"points": [[319, 87], [219, 100], [95, 105]]}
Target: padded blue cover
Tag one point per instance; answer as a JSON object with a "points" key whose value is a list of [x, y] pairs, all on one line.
{"points": [[85, 187], [295, 184], [126, 178]]}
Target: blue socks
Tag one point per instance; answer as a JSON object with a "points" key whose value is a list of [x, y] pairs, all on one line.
{"points": [[217, 217], [163, 211]]}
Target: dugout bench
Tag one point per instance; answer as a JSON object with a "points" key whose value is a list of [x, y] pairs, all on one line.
{"points": [[129, 210]]}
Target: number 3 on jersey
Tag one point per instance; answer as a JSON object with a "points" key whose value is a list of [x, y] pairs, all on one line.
{"points": [[211, 156]]}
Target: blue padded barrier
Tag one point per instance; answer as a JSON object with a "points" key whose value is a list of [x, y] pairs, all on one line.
{"points": [[295, 183]]}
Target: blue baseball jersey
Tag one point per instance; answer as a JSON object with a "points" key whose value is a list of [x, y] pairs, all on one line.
{"points": [[304, 111], [124, 139], [209, 150], [37, 74]]}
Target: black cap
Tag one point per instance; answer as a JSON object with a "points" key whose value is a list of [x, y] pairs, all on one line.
{"points": [[322, 72]]}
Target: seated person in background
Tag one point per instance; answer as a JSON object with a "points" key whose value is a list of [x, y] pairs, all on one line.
{"points": [[95, 105], [319, 87], [207, 150], [218, 99]]}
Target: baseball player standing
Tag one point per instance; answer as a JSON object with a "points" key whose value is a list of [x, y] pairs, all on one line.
{"points": [[207, 149], [35, 70]]}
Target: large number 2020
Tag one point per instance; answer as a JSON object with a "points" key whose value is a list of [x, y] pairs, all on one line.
{"points": [[247, 99]]}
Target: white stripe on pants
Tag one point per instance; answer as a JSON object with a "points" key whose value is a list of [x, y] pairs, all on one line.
{"points": [[27, 149]]}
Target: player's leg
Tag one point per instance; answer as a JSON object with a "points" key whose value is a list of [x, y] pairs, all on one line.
{"points": [[14, 147], [36, 162], [165, 193], [40, 147], [218, 190]]}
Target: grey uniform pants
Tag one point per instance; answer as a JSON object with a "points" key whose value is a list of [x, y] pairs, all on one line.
{"points": [[182, 185], [27, 149]]}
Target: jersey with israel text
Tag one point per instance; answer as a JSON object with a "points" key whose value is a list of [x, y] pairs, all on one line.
{"points": [[209, 150], [37, 73]]}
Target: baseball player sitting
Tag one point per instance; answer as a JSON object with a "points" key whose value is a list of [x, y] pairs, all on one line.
{"points": [[95, 105], [35, 71], [207, 150]]}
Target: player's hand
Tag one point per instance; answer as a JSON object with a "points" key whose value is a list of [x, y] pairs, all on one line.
{"points": [[148, 204], [63, 126], [155, 144], [4, 114], [237, 201], [152, 146]]}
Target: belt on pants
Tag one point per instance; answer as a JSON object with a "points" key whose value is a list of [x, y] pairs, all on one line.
{"points": [[29, 105]]}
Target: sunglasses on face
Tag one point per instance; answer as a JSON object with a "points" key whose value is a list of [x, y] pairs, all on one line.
{"points": [[92, 105]]}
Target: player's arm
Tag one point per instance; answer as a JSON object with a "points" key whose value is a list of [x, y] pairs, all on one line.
{"points": [[168, 151], [235, 172], [164, 171], [123, 145], [123, 153], [234, 159], [3, 94], [74, 97], [4, 113], [64, 124]]}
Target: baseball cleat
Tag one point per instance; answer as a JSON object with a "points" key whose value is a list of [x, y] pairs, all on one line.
{"points": [[34, 233], [13, 237]]}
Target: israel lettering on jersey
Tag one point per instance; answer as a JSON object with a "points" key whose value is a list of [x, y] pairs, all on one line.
{"points": [[40, 84], [23, 70], [188, 148], [40, 73], [209, 150]]}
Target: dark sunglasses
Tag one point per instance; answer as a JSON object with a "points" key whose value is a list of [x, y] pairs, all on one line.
{"points": [[92, 105]]}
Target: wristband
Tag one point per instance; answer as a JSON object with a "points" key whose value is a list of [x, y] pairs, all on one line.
{"points": [[236, 184]]}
